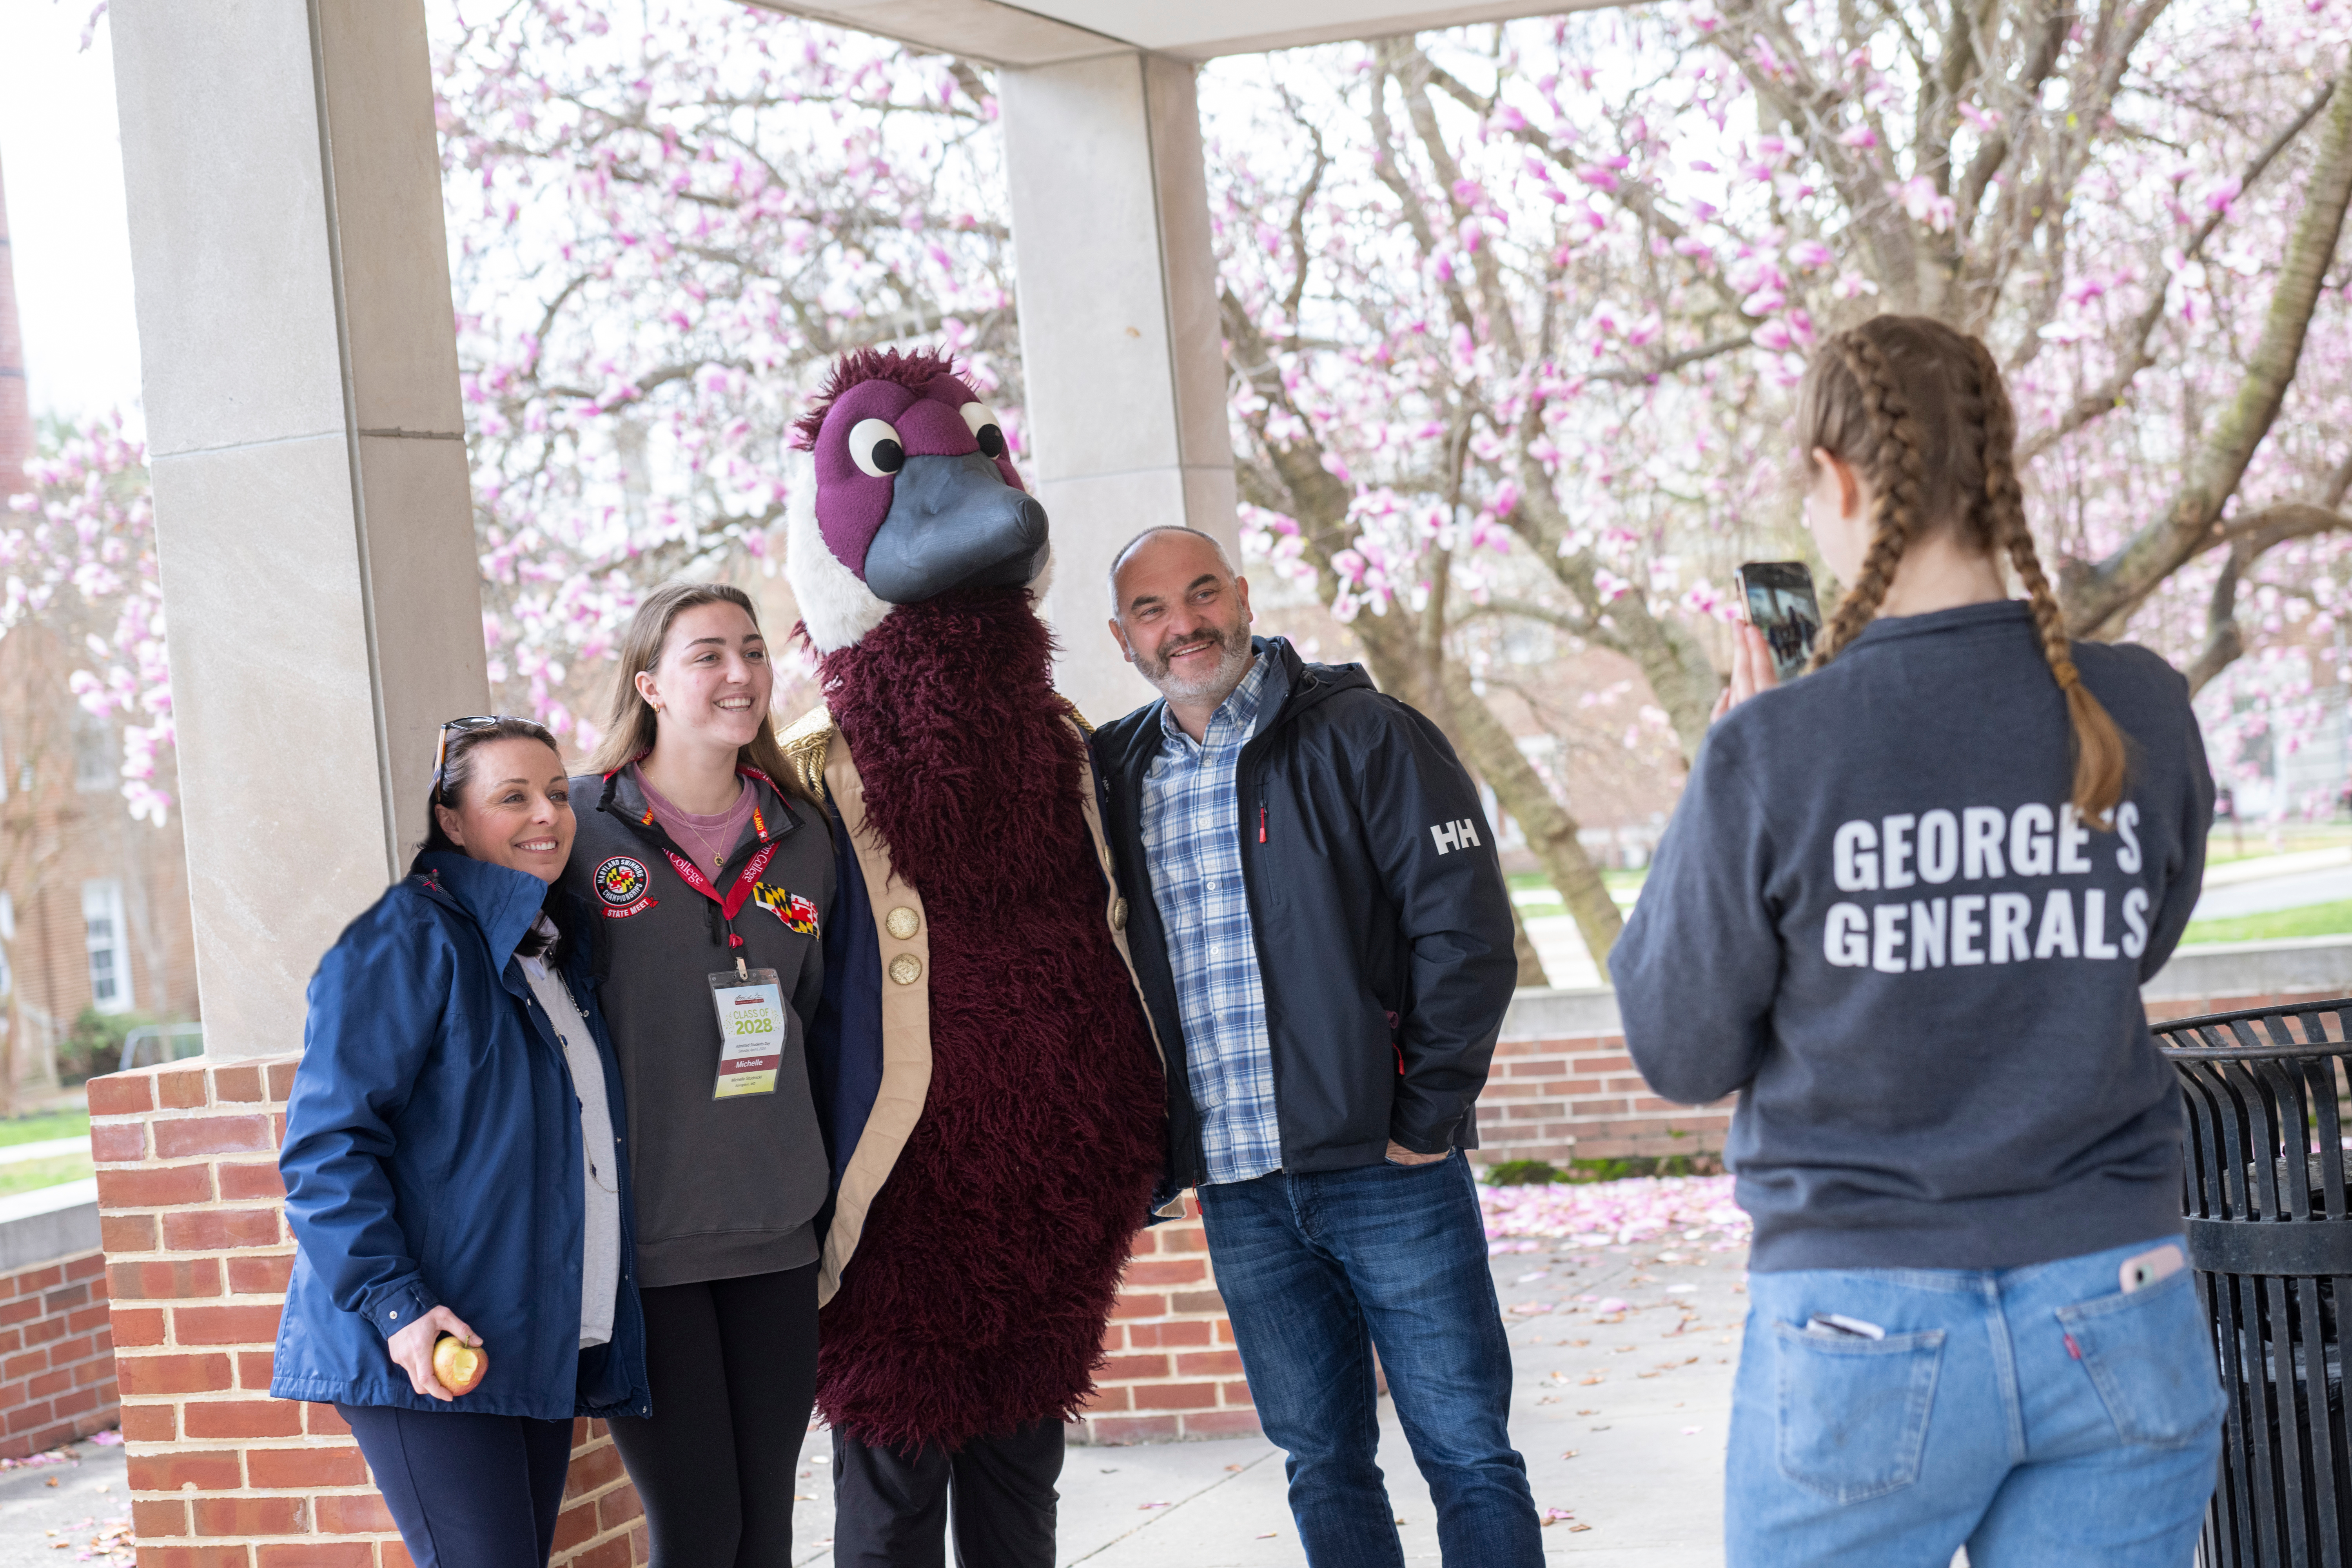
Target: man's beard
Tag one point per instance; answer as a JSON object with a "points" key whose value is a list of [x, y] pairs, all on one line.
{"points": [[1219, 680]]}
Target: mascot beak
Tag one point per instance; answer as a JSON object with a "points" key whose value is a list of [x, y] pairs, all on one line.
{"points": [[954, 523]]}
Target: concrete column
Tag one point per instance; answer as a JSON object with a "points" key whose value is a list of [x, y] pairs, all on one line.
{"points": [[1120, 335], [309, 461], [16, 401]]}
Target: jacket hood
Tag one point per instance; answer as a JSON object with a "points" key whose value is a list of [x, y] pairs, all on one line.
{"points": [[1305, 685], [504, 902]]}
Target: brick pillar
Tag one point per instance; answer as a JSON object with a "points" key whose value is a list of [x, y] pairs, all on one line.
{"points": [[1172, 1371], [197, 1256]]}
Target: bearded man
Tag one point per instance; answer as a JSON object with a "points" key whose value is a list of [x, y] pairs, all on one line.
{"points": [[1328, 934]]}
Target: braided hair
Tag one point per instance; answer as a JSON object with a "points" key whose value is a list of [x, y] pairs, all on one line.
{"points": [[1920, 409], [1894, 456]]}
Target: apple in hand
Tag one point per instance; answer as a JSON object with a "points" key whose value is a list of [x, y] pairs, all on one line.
{"points": [[459, 1366]]}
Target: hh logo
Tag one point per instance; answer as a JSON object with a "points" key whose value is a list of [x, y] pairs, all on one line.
{"points": [[1453, 835]]}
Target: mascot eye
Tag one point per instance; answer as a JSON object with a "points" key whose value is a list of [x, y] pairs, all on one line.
{"points": [[875, 447], [984, 428]]}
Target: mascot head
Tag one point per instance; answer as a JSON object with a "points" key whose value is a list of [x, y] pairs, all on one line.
{"points": [[913, 496]]}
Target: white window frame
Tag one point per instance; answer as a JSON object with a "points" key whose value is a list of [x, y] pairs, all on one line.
{"points": [[96, 752], [102, 904]]}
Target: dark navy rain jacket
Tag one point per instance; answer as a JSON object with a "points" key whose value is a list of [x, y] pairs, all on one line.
{"points": [[433, 1157]]}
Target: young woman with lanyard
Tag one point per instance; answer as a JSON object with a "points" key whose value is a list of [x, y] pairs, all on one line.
{"points": [[1904, 909], [712, 876], [454, 1063]]}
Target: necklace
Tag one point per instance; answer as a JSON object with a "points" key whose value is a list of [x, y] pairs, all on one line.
{"points": [[717, 860]]}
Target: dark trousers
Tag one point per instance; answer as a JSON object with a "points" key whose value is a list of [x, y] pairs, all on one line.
{"points": [[891, 1510], [1318, 1269], [467, 1491], [732, 1364]]}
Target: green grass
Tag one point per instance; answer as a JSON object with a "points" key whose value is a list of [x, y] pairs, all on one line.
{"points": [[28, 1174], [2275, 925], [2253, 843], [48, 1124], [1616, 881]]}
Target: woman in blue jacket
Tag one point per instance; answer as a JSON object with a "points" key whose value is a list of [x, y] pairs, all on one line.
{"points": [[452, 1168]]}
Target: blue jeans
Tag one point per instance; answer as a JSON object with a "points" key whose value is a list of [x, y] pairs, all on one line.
{"points": [[2040, 1415], [1316, 1270]]}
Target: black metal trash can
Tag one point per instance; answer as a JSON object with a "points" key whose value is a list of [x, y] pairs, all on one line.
{"points": [[2270, 1237]]}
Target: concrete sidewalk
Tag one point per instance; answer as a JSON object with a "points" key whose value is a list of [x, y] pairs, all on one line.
{"points": [[1621, 1416]]}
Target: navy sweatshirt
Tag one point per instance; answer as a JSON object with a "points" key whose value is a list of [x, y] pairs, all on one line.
{"points": [[1875, 916]]}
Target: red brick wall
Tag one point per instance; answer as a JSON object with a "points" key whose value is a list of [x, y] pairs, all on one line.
{"points": [[57, 1355], [1171, 1370], [1578, 1098], [197, 1256]]}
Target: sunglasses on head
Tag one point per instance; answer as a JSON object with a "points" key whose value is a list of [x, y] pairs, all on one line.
{"points": [[441, 745]]}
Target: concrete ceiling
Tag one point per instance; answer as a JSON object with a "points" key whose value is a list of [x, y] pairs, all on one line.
{"points": [[1045, 32]]}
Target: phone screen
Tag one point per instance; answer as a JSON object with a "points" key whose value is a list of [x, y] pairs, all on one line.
{"points": [[1779, 595]]}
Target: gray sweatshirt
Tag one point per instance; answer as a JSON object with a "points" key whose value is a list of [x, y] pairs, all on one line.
{"points": [[1877, 917], [724, 1188]]}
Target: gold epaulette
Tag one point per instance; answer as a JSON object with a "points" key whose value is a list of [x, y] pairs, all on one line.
{"points": [[805, 743]]}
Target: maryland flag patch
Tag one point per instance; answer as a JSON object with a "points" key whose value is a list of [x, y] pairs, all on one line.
{"points": [[797, 913]]}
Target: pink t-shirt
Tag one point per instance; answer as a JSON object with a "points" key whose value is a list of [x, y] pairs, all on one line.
{"points": [[707, 839]]}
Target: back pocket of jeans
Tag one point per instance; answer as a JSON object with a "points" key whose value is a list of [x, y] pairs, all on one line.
{"points": [[1854, 1412], [2151, 1359]]}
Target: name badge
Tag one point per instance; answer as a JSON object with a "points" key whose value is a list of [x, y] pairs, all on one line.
{"points": [[750, 1032]]}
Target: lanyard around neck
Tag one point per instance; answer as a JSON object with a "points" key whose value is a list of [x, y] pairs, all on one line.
{"points": [[731, 904]]}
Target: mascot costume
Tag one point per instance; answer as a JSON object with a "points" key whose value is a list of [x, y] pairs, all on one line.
{"points": [[992, 1090]]}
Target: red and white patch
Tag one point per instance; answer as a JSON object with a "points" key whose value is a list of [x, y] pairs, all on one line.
{"points": [[622, 883]]}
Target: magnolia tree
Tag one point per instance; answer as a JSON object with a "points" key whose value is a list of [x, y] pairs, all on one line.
{"points": [[1514, 316], [663, 229], [1517, 313], [78, 554]]}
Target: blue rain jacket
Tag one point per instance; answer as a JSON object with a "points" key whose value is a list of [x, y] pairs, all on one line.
{"points": [[433, 1156]]}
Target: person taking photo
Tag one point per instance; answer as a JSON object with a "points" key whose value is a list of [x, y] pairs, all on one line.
{"points": [[453, 1180], [712, 873], [1904, 909]]}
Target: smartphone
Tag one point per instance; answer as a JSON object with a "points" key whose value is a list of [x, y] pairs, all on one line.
{"points": [[1838, 1326], [1779, 595], [2144, 1269]]}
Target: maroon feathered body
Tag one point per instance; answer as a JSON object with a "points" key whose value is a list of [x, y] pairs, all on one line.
{"points": [[991, 1258]]}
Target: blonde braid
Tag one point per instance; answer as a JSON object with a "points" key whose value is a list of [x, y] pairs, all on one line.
{"points": [[2097, 744], [1895, 434]]}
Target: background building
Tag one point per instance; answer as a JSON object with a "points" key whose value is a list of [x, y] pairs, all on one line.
{"points": [[93, 905]]}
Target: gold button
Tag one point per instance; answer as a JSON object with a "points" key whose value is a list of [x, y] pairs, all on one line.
{"points": [[1119, 914], [905, 969], [903, 922]]}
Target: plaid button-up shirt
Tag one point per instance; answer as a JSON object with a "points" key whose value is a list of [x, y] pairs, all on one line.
{"points": [[1191, 841]]}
